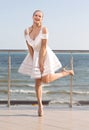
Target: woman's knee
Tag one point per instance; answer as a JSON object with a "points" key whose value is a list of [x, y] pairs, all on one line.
{"points": [[45, 79], [38, 82]]}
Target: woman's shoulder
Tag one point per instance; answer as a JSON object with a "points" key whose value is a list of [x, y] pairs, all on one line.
{"points": [[44, 30], [27, 30]]}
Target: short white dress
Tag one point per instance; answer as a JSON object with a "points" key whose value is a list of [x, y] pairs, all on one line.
{"points": [[30, 66]]}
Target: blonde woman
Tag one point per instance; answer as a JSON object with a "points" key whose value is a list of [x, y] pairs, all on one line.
{"points": [[40, 63]]}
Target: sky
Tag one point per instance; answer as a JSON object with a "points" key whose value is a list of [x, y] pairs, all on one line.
{"points": [[67, 22]]}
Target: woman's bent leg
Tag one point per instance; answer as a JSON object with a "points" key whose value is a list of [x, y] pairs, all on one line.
{"points": [[38, 88], [52, 77]]}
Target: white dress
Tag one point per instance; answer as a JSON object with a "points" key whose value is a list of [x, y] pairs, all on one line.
{"points": [[31, 66]]}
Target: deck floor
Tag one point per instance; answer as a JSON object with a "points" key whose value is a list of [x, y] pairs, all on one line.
{"points": [[53, 119]]}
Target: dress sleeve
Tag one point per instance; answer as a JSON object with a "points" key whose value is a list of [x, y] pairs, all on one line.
{"points": [[27, 38], [44, 36]]}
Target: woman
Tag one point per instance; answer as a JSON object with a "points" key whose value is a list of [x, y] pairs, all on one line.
{"points": [[41, 62]]}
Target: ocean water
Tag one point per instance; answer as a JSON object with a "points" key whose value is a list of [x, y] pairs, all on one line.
{"points": [[58, 92]]}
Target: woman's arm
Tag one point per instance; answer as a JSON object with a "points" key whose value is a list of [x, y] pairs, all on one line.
{"points": [[42, 52], [30, 49]]}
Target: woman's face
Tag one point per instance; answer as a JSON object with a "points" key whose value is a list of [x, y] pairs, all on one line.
{"points": [[37, 18]]}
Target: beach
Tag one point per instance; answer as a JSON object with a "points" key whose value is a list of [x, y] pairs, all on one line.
{"points": [[25, 118]]}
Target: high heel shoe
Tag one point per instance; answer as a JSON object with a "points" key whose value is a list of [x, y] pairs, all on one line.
{"points": [[71, 72], [40, 111]]}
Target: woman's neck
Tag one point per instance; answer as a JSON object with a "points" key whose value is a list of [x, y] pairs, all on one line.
{"points": [[36, 25]]}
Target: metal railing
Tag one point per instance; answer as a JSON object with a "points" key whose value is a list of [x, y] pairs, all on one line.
{"points": [[59, 51]]}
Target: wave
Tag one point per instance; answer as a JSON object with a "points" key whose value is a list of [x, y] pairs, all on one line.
{"points": [[48, 92], [68, 92], [25, 91], [30, 85], [77, 103], [81, 92], [59, 102], [63, 102], [21, 91], [33, 85]]}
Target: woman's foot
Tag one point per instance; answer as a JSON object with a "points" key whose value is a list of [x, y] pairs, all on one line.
{"points": [[40, 111], [71, 72]]}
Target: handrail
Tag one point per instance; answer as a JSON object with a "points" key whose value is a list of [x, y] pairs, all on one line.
{"points": [[9, 80], [71, 80], [61, 51]]}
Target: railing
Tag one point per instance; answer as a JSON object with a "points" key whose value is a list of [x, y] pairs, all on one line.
{"points": [[9, 75], [59, 51]]}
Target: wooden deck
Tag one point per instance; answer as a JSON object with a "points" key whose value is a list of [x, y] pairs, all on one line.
{"points": [[53, 119]]}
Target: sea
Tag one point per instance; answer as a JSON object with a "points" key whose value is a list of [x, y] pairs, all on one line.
{"points": [[22, 87]]}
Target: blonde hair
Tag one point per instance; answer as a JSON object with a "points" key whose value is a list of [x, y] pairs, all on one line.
{"points": [[38, 11]]}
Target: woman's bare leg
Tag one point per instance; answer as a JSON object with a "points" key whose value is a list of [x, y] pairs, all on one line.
{"points": [[52, 77], [38, 88]]}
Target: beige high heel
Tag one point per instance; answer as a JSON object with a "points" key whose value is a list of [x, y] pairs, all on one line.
{"points": [[71, 72], [40, 111]]}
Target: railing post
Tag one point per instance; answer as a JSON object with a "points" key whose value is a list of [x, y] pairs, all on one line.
{"points": [[9, 71], [71, 80]]}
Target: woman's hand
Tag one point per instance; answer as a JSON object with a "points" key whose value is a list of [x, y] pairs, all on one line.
{"points": [[41, 67]]}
